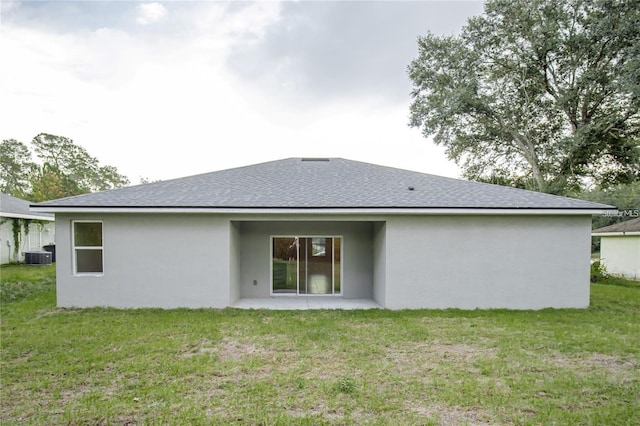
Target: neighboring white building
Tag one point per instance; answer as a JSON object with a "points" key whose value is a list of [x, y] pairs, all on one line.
{"points": [[299, 228], [40, 226], [620, 248]]}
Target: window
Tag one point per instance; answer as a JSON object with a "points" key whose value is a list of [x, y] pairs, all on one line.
{"points": [[306, 265], [87, 247]]}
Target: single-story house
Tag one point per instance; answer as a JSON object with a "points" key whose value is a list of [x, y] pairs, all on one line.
{"points": [[22, 230], [304, 227], [620, 248]]}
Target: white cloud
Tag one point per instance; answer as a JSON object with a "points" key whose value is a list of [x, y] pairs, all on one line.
{"points": [[166, 104], [7, 6], [150, 12], [218, 26]]}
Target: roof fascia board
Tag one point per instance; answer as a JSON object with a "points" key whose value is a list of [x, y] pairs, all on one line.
{"points": [[614, 234], [27, 216], [324, 211]]}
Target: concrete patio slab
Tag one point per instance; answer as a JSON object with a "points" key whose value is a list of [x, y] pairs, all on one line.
{"points": [[296, 303]]}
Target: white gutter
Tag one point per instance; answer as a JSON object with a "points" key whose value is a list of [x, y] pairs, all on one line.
{"points": [[327, 211], [28, 216], [614, 234]]}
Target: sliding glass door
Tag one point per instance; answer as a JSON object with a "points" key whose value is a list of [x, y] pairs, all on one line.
{"points": [[306, 265]]}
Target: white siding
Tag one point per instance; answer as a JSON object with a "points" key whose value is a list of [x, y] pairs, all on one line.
{"points": [[40, 234], [621, 255]]}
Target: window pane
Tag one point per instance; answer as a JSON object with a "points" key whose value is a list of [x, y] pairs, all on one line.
{"points": [[318, 266], [87, 234], [318, 246], [285, 265], [304, 248], [88, 260], [336, 264]]}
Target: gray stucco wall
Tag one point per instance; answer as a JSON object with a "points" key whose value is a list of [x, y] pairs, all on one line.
{"points": [[234, 262], [379, 262], [517, 262], [206, 260], [152, 260], [357, 254]]}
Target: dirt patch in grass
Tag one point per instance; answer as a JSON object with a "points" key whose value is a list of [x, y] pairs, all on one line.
{"points": [[461, 352], [226, 350], [616, 369], [447, 415], [316, 411], [61, 311], [122, 420], [413, 359], [203, 347], [421, 357], [67, 395], [612, 363], [55, 311], [234, 350]]}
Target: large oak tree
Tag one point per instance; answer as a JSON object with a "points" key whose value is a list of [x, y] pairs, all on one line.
{"points": [[539, 94]]}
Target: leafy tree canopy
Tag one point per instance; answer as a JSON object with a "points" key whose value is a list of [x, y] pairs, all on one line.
{"points": [[64, 169], [626, 197], [16, 168], [540, 94]]}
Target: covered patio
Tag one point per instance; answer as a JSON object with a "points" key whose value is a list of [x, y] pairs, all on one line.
{"points": [[320, 262]]}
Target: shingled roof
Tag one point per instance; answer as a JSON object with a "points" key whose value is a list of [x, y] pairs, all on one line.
{"points": [[326, 183], [628, 226], [19, 208]]}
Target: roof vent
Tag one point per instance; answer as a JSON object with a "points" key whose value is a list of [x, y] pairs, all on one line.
{"points": [[411, 188], [315, 159]]}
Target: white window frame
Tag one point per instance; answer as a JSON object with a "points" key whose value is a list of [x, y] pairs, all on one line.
{"points": [[297, 293], [75, 248]]}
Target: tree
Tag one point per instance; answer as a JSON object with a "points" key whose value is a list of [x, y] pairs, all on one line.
{"points": [[539, 94], [65, 169], [16, 168], [49, 183], [79, 172], [626, 197]]}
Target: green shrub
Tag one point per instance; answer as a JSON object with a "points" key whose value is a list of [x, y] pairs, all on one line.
{"points": [[598, 272], [600, 275]]}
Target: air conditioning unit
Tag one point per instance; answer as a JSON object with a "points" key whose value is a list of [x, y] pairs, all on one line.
{"points": [[37, 258]]}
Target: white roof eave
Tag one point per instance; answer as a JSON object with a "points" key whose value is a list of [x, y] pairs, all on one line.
{"points": [[615, 234], [326, 211], [28, 216]]}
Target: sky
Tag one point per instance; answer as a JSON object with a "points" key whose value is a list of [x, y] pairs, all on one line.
{"points": [[162, 90]]}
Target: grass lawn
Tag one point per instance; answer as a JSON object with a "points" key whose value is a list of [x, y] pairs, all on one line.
{"points": [[107, 366]]}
